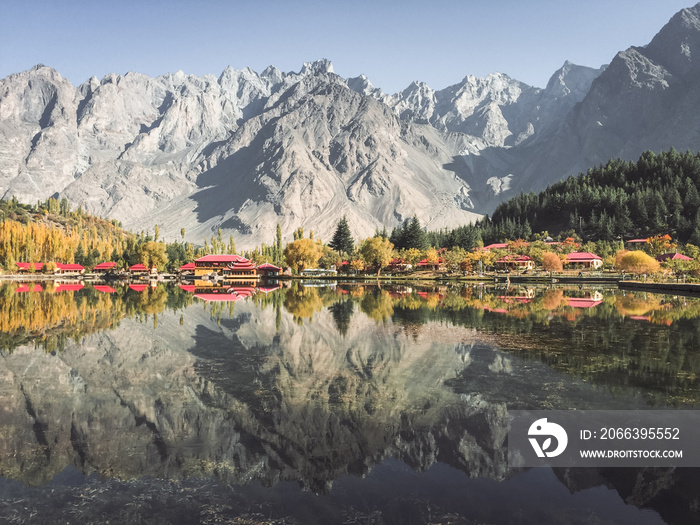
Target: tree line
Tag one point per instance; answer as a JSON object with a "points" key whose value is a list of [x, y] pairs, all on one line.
{"points": [[600, 209], [657, 195]]}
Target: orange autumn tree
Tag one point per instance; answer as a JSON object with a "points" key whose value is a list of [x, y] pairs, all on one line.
{"points": [[551, 262], [660, 244]]}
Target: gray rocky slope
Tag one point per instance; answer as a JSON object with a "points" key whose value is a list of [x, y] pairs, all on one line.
{"points": [[247, 150]]}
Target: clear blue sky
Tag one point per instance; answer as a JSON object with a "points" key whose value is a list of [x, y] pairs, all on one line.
{"points": [[391, 42]]}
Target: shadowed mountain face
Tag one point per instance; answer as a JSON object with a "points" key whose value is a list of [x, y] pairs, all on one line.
{"points": [[247, 150]]}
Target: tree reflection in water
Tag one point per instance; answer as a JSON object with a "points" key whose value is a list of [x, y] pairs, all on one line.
{"points": [[303, 384]]}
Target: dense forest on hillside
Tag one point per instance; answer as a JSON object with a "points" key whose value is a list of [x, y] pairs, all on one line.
{"points": [[51, 232], [657, 195]]}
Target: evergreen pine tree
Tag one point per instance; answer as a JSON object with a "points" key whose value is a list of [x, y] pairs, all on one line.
{"points": [[413, 235], [342, 238]]}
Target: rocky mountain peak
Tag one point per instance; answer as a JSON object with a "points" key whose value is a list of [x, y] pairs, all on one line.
{"points": [[363, 86], [677, 46], [245, 151], [572, 80], [322, 66]]}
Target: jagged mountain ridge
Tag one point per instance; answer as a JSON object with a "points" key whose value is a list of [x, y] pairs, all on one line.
{"points": [[204, 153], [646, 99], [246, 150]]}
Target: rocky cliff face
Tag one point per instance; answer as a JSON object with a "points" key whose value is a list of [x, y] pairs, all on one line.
{"points": [[247, 150], [646, 99]]}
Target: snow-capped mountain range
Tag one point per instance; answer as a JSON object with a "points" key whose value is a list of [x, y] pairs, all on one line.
{"points": [[247, 150]]}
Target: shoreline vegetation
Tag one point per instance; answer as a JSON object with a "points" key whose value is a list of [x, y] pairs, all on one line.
{"points": [[625, 219], [653, 286]]}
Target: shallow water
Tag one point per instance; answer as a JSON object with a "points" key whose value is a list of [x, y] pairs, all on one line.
{"points": [[346, 403]]}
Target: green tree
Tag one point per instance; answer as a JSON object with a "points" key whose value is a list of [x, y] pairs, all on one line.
{"points": [[278, 245], [342, 238], [330, 258], [79, 256], [413, 235]]}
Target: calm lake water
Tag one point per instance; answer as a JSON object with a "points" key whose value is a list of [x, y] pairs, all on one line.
{"points": [[341, 403]]}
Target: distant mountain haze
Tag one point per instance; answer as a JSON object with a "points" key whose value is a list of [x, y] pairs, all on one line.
{"points": [[247, 150]]}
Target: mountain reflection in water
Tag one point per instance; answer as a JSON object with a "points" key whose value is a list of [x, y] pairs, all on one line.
{"points": [[337, 389]]}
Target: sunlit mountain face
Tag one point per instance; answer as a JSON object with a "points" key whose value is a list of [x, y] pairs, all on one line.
{"points": [[246, 150]]}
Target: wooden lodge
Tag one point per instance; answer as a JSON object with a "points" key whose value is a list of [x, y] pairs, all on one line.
{"points": [[515, 262], [269, 270], [138, 269], [666, 257], [69, 269], [61, 268], [105, 267], [425, 264], [28, 267], [186, 269], [583, 260], [226, 266]]}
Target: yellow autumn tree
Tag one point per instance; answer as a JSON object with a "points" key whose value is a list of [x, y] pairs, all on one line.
{"points": [[638, 262], [377, 252], [302, 254]]}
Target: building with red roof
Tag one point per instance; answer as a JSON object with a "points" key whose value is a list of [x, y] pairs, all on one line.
{"points": [[138, 268], [186, 268], [69, 269], [425, 264], [105, 267], [61, 268], [24, 267], [496, 246], [103, 288], [226, 265], [515, 262], [399, 265], [636, 244], [583, 260], [665, 257], [269, 270]]}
